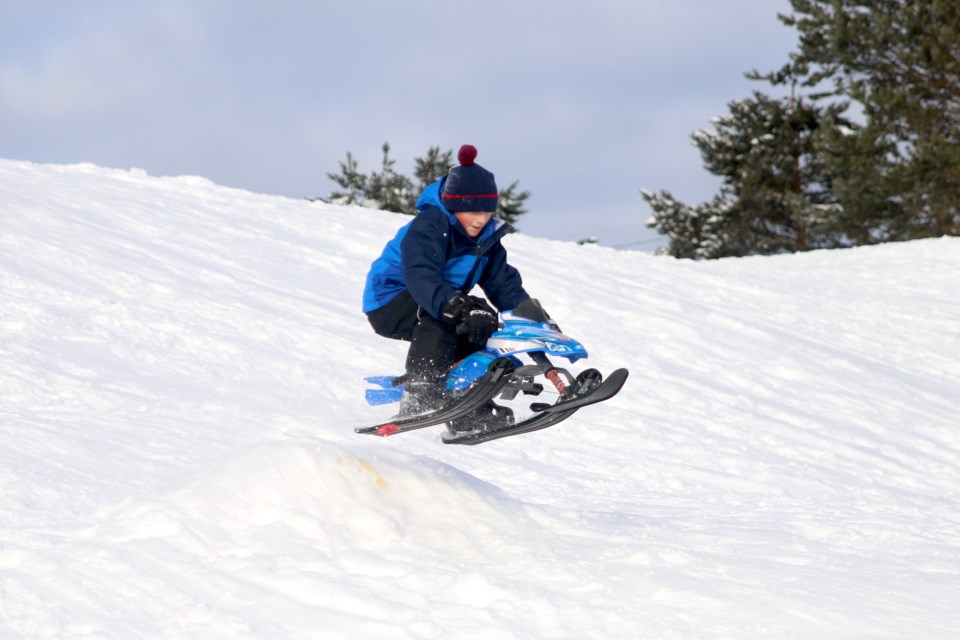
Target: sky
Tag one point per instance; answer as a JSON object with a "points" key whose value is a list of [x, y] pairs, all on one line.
{"points": [[181, 372], [584, 105]]}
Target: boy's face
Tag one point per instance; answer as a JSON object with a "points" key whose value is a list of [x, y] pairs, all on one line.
{"points": [[473, 221]]}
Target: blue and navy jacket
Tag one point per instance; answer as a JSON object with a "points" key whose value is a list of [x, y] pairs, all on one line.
{"points": [[434, 258]]}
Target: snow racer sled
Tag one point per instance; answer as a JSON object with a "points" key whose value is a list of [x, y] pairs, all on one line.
{"points": [[498, 372]]}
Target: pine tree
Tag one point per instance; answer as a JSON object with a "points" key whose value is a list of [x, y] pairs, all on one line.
{"points": [[389, 190], [776, 193], [695, 231], [797, 175], [900, 60], [351, 180], [432, 167], [511, 204]]}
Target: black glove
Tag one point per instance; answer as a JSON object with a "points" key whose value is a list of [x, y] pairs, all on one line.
{"points": [[455, 308], [478, 324], [473, 317]]}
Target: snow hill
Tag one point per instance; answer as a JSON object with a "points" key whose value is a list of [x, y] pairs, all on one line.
{"points": [[181, 367]]}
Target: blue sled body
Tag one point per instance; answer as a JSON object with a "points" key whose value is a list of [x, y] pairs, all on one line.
{"points": [[518, 335]]}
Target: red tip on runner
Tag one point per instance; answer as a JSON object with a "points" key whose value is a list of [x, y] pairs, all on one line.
{"points": [[388, 429]]}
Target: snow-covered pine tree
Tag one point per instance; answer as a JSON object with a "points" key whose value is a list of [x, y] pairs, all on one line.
{"points": [[776, 192], [894, 177], [901, 62]]}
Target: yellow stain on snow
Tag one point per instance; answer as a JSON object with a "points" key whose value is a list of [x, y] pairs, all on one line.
{"points": [[364, 467]]}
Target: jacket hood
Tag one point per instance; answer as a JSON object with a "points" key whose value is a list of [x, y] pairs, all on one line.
{"points": [[431, 197]]}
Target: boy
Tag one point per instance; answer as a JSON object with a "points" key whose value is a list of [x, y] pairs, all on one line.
{"points": [[418, 289]]}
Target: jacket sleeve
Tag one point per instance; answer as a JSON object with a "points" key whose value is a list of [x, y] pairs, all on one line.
{"points": [[501, 281], [423, 255]]}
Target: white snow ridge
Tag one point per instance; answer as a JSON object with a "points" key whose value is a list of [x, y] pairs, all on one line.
{"points": [[181, 370]]}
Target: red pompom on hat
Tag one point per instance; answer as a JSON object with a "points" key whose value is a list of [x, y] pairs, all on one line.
{"points": [[467, 154], [469, 187]]}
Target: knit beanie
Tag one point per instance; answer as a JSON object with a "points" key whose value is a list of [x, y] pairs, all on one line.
{"points": [[469, 187]]}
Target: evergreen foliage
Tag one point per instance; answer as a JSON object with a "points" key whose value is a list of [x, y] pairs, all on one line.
{"points": [[776, 194], [511, 204], [391, 191], [900, 60], [798, 175], [388, 189], [353, 183], [431, 167]]}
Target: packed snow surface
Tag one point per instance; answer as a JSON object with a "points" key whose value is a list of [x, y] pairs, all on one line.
{"points": [[181, 370]]}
